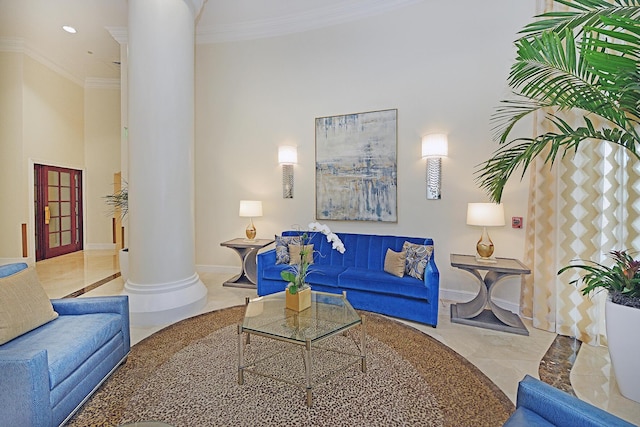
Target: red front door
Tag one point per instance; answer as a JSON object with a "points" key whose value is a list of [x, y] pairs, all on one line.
{"points": [[58, 207]]}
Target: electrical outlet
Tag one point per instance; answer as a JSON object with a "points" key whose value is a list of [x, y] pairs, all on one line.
{"points": [[516, 222]]}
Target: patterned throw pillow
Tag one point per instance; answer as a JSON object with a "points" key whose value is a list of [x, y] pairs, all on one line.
{"points": [[294, 252], [417, 259], [282, 248], [394, 262]]}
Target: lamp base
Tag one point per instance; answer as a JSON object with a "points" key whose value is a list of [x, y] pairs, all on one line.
{"points": [[250, 232], [486, 260]]}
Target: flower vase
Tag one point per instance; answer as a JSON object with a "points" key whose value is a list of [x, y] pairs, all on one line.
{"points": [[299, 301]]}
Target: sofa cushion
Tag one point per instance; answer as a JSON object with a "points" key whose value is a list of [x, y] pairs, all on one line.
{"points": [[24, 305], [324, 274], [69, 341], [282, 248], [381, 282], [417, 259], [394, 262], [9, 269]]}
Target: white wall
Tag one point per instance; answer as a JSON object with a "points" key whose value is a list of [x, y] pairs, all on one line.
{"points": [[443, 65], [102, 159], [12, 170]]}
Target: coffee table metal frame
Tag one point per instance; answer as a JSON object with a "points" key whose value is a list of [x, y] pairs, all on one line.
{"points": [[329, 315]]}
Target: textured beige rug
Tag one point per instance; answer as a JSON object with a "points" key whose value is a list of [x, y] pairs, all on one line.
{"points": [[186, 375]]}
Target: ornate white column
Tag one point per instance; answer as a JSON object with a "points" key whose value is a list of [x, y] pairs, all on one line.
{"points": [[163, 285]]}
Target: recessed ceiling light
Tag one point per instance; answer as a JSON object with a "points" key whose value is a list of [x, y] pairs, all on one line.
{"points": [[69, 29]]}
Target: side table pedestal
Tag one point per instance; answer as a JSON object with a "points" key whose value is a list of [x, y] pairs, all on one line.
{"points": [[474, 312], [247, 251]]}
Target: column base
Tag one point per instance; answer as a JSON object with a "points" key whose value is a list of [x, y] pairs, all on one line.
{"points": [[165, 303]]}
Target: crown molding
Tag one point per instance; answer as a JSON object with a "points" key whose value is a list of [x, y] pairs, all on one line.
{"points": [[101, 83], [18, 45], [120, 34], [296, 23]]}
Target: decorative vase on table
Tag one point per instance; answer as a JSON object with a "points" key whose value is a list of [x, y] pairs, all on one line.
{"points": [[298, 292], [299, 301]]}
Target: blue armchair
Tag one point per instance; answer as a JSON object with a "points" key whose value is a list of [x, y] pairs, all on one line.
{"points": [[539, 404]]}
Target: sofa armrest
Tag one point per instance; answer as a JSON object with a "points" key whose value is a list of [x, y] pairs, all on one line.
{"points": [[113, 304], [24, 388], [432, 280], [560, 408], [264, 259]]}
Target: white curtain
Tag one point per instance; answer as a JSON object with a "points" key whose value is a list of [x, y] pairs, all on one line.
{"points": [[581, 208]]}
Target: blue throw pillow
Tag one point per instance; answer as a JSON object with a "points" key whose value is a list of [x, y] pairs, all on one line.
{"points": [[417, 259]]}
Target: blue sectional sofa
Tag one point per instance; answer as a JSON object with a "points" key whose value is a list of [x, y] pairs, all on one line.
{"points": [[360, 272], [47, 373], [539, 404]]}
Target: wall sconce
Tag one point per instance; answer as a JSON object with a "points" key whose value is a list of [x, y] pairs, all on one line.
{"points": [[251, 209], [485, 215], [287, 157], [434, 147]]}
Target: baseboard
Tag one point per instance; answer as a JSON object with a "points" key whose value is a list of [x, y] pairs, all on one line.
{"points": [[99, 246], [464, 296]]}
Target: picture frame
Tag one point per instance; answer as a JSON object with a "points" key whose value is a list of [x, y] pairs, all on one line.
{"points": [[356, 166]]}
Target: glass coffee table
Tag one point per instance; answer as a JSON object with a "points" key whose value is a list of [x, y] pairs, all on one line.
{"points": [[329, 315]]}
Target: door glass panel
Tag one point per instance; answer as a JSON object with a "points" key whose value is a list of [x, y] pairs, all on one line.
{"points": [[53, 177], [65, 193], [54, 225], [66, 208], [54, 208], [66, 238], [53, 240], [65, 223], [65, 179], [53, 193]]}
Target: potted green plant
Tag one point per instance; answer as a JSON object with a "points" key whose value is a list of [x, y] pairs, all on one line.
{"points": [[298, 291], [584, 60], [622, 312], [119, 204]]}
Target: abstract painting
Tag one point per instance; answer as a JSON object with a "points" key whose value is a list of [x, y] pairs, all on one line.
{"points": [[356, 169]]}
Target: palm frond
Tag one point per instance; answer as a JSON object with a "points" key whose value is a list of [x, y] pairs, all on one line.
{"points": [[587, 13], [584, 60]]}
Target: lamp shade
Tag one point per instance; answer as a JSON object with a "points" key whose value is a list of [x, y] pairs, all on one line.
{"points": [[435, 145], [250, 208], [287, 155], [485, 214]]}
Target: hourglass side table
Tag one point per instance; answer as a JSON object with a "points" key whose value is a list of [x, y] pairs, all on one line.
{"points": [[482, 311]]}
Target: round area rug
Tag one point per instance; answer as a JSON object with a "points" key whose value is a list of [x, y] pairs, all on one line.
{"points": [[187, 375]]}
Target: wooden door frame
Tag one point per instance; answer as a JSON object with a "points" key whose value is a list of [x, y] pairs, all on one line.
{"points": [[31, 223]]}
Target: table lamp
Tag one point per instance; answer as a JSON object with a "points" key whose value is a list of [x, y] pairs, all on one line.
{"points": [[485, 215], [250, 209]]}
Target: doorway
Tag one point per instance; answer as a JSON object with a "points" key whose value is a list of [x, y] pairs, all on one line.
{"points": [[58, 211]]}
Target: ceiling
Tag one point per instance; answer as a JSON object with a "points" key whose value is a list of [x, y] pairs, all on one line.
{"points": [[35, 27]]}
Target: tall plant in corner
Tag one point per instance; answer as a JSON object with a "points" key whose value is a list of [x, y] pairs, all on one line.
{"points": [[586, 61]]}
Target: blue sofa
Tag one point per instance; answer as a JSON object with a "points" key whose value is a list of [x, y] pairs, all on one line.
{"points": [[360, 272], [539, 404], [46, 374]]}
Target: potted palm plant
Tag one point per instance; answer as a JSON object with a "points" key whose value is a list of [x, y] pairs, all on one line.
{"points": [[119, 204], [584, 60], [622, 313]]}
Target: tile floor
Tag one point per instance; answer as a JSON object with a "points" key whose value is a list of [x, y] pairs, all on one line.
{"points": [[505, 358]]}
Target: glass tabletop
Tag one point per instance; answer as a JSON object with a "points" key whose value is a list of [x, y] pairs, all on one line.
{"points": [[328, 314]]}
